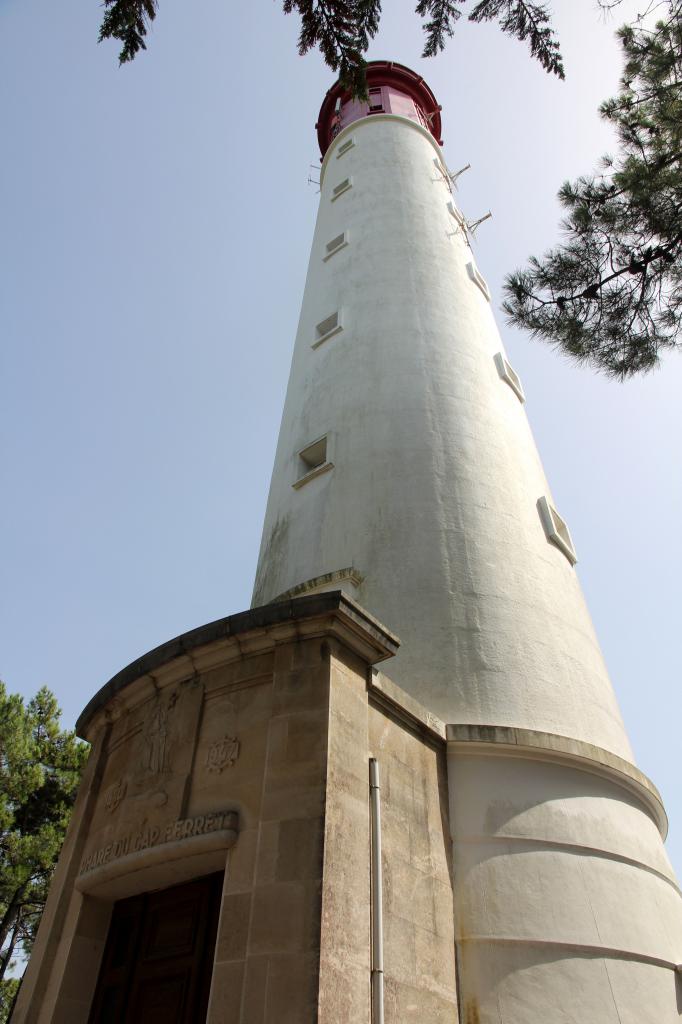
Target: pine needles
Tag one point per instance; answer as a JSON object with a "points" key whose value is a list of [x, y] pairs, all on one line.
{"points": [[611, 294], [342, 29]]}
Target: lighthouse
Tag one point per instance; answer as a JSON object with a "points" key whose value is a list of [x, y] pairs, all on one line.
{"points": [[406, 476], [398, 788]]}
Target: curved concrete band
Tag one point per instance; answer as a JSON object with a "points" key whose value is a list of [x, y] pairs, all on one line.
{"points": [[547, 746]]}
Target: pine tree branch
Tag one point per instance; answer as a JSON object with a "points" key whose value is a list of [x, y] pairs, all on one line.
{"points": [[341, 29], [127, 21], [612, 292], [617, 106], [443, 14], [637, 265], [367, 21], [525, 21]]}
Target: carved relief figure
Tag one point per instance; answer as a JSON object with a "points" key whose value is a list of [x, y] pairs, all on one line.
{"points": [[155, 755]]}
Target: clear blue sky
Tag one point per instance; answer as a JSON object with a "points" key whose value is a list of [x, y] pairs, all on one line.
{"points": [[156, 221]]}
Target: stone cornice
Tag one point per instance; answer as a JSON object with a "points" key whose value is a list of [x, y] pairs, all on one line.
{"points": [[393, 698], [246, 633]]}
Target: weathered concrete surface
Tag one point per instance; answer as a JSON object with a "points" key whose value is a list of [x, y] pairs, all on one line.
{"points": [[247, 750], [430, 516], [433, 496], [563, 888], [419, 963]]}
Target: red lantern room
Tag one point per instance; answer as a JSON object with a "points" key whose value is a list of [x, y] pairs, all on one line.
{"points": [[392, 89]]}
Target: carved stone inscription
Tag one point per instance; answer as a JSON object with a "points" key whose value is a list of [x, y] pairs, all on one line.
{"points": [[154, 835]]}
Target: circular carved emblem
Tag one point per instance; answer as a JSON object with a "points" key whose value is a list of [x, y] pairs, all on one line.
{"points": [[222, 754]]}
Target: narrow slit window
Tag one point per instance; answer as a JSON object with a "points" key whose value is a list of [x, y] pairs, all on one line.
{"points": [[336, 243], [342, 187], [556, 530], [345, 146], [441, 172], [457, 215], [509, 376], [312, 461], [477, 277], [375, 100], [327, 328]]}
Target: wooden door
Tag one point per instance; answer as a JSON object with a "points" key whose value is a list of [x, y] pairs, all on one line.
{"points": [[158, 958]]}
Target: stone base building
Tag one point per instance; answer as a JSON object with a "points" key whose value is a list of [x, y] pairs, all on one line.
{"points": [[238, 755]]}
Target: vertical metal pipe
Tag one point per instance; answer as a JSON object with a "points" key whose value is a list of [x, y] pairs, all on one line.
{"points": [[377, 900]]}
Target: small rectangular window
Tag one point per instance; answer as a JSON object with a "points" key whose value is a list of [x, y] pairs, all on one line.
{"points": [[312, 461], [327, 328], [336, 243], [375, 100], [556, 530], [345, 146], [441, 172], [510, 376], [315, 454], [477, 277], [457, 215], [342, 187]]}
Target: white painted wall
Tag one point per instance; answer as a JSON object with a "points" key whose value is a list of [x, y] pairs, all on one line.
{"points": [[567, 907], [568, 911], [436, 477]]}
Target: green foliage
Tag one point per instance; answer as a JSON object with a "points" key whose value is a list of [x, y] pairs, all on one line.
{"points": [[127, 21], [525, 21], [40, 768], [516, 17], [8, 990], [342, 29], [611, 294], [442, 16]]}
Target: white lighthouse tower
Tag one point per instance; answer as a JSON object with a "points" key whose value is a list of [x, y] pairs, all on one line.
{"points": [[406, 476], [272, 830]]}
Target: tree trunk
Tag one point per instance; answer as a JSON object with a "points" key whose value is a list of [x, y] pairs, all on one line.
{"points": [[9, 919], [7, 957]]}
